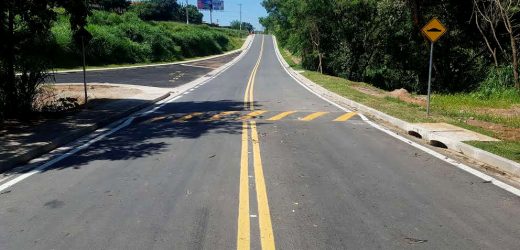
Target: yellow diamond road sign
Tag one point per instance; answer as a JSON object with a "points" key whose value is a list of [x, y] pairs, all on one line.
{"points": [[433, 30]]}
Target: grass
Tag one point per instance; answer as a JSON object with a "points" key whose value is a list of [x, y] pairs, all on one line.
{"points": [[126, 39], [507, 149], [453, 109]]}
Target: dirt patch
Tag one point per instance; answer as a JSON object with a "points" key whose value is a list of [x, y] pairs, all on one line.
{"points": [[58, 98], [370, 91], [400, 94], [94, 91], [511, 112], [501, 131], [405, 96]]}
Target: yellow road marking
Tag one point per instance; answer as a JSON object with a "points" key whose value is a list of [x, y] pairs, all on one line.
{"points": [[221, 114], [243, 235], [264, 216], [266, 231], [188, 117], [158, 118], [345, 117], [314, 116], [248, 96], [281, 116], [252, 115]]}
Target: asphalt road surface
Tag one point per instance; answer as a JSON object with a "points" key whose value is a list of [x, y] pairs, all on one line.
{"points": [[253, 160], [165, 76]]}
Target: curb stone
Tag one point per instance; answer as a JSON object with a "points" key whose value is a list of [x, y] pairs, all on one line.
{"points": [[480, 155], [73, 135]]}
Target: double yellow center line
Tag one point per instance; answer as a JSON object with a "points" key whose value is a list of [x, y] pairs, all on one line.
{"points": [[248, 96], [264, 215]]}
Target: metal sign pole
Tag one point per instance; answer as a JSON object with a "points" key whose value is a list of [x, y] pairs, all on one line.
{"points": [[429, 81]]}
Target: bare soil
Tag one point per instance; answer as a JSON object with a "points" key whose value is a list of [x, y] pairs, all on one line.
{"points": [[511, 112], [94, 91], [400, 94], [501, 131]]}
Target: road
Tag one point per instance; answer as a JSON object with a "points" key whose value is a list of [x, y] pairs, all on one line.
{"points": [[164, 76], [253, 160]]}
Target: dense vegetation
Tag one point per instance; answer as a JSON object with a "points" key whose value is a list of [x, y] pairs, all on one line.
{"points": [[379, 41], [37, 36], [25, 46], [166, 10], [126, 38], [243, 26]]}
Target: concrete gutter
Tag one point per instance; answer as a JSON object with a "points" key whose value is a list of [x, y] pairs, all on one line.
{"points": [[431, 137]]}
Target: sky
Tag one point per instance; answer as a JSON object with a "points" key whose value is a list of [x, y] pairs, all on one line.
{"points": [[251, 11]]}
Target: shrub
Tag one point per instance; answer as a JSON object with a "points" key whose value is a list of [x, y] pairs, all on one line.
{"points": [[499, 83], [126, 38]]}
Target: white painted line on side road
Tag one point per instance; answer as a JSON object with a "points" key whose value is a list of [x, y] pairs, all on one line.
{"points": [[197, 66], [435, 154]]}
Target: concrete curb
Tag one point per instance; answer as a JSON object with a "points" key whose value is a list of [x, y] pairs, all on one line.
{"points": [[499, 162], [73, 135]]}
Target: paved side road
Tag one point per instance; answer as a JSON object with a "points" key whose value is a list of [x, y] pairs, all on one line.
{"points": [[167, 76], [253, 160]]}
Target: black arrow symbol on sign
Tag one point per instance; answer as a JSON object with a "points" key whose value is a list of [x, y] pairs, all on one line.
{"points": [[434, 30]]}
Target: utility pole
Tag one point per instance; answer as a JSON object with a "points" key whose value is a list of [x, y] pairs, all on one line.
{"points": [[211, 12], [187, 18], [240, 18]]}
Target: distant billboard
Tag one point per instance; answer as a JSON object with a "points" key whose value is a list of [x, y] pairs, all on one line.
{"points": [[207, 4]]}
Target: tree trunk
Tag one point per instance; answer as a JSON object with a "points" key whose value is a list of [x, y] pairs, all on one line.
{"points": [[515, 61], [10, 87]]}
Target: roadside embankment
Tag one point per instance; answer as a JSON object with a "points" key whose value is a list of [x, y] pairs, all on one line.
{"points": [[126, 39]]}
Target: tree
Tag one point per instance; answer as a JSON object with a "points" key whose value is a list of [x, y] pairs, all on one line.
{"points": [[498, 22], [25, 27], [159, 10], [194, 15], [245, 26], [379, 41], [118, 6]]}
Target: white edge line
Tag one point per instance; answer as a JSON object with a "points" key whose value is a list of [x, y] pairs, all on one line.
{"points": [[440, 156], [124, 124], [278, 55]]}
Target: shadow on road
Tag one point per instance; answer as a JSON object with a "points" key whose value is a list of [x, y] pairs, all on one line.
{"points": [[147, 137]]}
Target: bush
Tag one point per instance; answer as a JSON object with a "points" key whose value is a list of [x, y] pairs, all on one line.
{"points": [[499, 83], [119, 39]]}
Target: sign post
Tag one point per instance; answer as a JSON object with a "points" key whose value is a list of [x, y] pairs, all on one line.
{"points": [[433, 30]]}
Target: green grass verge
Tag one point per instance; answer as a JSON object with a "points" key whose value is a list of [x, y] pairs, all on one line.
{"points": [[507, 149], [453, 109], [126, 39]]}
